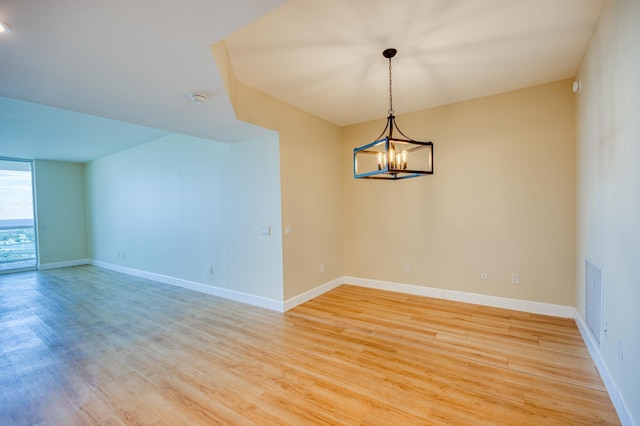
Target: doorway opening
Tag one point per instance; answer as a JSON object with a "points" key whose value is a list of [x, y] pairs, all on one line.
{"points": [[17, 224]]}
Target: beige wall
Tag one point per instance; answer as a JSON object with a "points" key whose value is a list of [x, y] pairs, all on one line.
{"points": [[501, 199], [310, 165], [608, 146]]}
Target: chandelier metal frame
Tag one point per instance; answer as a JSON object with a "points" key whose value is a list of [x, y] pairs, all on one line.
{"points": [[395, 157]]}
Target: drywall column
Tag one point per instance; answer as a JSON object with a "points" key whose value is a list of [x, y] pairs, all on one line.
{"points": [[311, 188]]}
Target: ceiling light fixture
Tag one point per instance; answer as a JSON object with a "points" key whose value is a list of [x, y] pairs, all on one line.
{"points": [[198, 98], [4, 28], [390, 157]]}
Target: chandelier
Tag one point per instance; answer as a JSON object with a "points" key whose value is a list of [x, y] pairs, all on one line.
{"points": [[392, 157]]}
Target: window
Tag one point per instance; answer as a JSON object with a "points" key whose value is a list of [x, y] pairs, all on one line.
{"points": [[17, 230]]}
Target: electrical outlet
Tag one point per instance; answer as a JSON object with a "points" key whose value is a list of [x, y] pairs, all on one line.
{"points": [[405, 267], [484, 275], [515, 279], [321, 267]]}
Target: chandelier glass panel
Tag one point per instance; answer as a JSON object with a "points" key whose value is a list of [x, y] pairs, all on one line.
{"points": [[394, 156]]}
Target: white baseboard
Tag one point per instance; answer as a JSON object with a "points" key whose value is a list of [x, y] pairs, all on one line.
{"points": [[237, 296], [279, 306], [54, 265], [460, 296], [263, 302], [314, 292], [612, 388]]}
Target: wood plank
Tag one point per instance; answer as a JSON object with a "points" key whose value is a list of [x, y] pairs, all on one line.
{"points": [[84, 345]]}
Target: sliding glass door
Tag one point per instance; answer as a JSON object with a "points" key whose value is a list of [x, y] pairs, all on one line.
{"points": [[17, 228]]}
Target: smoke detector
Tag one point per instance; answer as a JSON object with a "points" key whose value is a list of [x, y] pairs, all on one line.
{"points": [[198, 98]]}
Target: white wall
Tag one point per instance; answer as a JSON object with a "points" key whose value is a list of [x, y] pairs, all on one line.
{"points": [[608, 181], [166, 207], [60, 212]]}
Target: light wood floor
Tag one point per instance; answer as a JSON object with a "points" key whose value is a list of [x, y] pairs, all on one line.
{"points": [[85, 345]]}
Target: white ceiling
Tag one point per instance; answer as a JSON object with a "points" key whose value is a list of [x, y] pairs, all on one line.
{"points": [[326, 56], [131, 61], [29, 130], [136, 62]]}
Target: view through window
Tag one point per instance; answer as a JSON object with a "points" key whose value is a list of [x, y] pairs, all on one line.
{"points": [[17, 232]]}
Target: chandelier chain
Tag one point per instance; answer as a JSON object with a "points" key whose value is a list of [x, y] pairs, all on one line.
{"points": [[390, 112]]}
